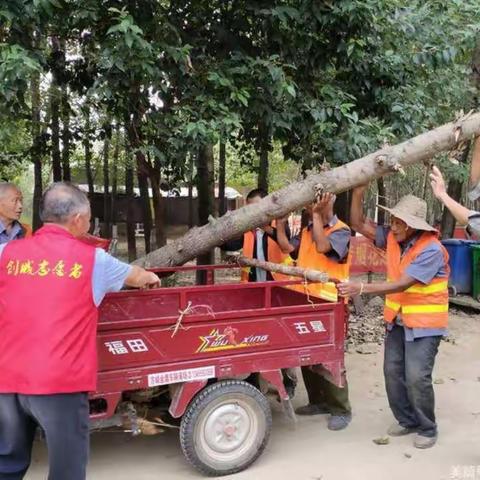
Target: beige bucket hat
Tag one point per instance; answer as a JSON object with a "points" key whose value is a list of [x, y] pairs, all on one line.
{"points": [[413, 211]]}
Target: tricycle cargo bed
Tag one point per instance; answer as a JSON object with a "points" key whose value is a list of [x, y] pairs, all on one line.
{"points": [[167, 330]]}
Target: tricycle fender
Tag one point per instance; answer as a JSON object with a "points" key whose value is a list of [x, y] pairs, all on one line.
{"points": [[182, 394]]}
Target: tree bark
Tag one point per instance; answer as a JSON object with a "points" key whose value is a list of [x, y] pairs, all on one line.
{"points": [[382, 162], [36, 152], [206, 201], [131, 240], [222, 159], [66, 136], [107, 222], [311, 275], [88, 154]]}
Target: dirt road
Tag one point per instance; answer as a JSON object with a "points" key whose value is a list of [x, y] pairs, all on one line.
{"points": [[311, 452]]}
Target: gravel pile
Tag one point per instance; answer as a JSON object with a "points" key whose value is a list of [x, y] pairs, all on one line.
{"points": [[367, 331]]}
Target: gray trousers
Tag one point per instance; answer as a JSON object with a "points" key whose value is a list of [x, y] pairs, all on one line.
{"points": [[64, 419], [408, 370]]}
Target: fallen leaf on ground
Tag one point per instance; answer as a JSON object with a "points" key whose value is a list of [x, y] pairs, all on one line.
{"points": [[381, 440]]}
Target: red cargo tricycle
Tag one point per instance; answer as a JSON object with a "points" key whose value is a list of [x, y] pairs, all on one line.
{"points": [[208, 355]]}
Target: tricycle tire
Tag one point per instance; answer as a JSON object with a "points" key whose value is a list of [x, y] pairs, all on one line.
{"points": [[225, 428]]}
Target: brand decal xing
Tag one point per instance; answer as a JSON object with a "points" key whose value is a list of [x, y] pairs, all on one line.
{"points": [[216, 341]]}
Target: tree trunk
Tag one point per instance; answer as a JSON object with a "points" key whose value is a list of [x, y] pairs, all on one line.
{"points": [[158, 205], [263, 168], [146, 210], [190, 191], [206, 201], [159, 214], [454, 189], [448, 220], [131, 240], [107, 223], [57, 65], [116, 156], [67, 176], [36, 152], [88, 154], [222, 159], [55, 128], [382, 162], [381, 200]]}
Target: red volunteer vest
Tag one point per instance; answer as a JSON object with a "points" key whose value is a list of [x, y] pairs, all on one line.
{"points": [[48, 318]]}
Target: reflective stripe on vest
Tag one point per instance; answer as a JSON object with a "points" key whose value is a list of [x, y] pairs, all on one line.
{"points": [[309, 257], [420, 306]]}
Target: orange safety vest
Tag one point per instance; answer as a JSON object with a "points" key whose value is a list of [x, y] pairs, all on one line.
{"points": [[420, 306], [275, 254], [310, 258]]}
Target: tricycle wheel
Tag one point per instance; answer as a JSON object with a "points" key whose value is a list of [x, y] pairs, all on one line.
{"points": [[225, 428]]}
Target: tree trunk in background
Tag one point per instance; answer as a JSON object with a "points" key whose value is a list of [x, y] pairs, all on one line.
{"points": [[146, 210], [144, 169], [448, 221], [132, 246], [190, 191], [158, 213], [113, 195], [222, 159], [206, 200], [107, 221], [58, 63], [36, 152], [385, 161], [88, 154], [158, 205], [381, 201], [67, 176], [263, 167], [55, 128], [454, 189]]}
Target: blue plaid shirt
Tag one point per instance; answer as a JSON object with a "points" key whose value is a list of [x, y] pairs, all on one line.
{"points": [[15, 233]]}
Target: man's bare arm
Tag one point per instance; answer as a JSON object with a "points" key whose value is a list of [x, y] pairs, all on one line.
{"points": [[141, 278], [358, 222]]}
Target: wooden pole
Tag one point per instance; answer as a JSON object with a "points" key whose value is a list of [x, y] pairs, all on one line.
{"points": [[311, 275]]}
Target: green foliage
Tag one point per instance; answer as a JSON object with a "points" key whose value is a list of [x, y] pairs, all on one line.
{"points": [[307, 80]]}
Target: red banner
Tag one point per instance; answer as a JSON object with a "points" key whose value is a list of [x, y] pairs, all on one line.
{"points": [[366, 257]]}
